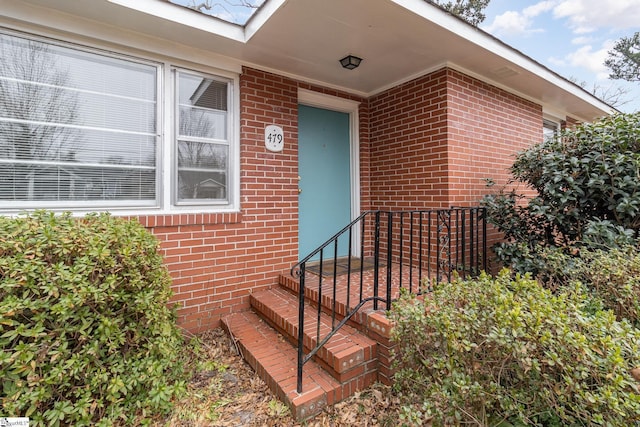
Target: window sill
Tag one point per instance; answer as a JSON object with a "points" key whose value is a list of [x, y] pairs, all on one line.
{"points": [[179, 219]]}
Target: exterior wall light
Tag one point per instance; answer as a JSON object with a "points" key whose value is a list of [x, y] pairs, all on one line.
{"points": [[350, 62]]}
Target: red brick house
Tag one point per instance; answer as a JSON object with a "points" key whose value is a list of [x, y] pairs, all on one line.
{"points": [[242, 148]]}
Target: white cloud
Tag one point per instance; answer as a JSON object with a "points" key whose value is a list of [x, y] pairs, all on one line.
{"points": [[592, 60], [557, 62], [586, 16], [514, 23], [581, 40], [538, 8], [510, 23], [587, 58]]}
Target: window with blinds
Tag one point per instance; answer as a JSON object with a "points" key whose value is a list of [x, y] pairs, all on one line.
{"points": [[81, 129], [77, 128]]}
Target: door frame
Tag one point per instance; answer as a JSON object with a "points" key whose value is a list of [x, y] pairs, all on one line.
{"points": [[334, 103]]}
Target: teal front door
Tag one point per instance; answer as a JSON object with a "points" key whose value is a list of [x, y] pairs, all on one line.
{"points": [[324, 167]]}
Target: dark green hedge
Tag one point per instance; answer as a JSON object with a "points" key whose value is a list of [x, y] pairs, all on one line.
{"points": [[587, 185]]}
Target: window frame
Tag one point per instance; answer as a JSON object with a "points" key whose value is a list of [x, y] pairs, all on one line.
{"points": [[175, 200], [166, 172], [551, 124]]}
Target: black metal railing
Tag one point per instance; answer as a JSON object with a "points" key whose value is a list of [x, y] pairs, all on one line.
{"points": [[410, 250]]}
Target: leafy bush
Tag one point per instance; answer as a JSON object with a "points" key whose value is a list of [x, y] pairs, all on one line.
{"points": [[612, 276], [587, 184], [507, 351], [85, 332]]}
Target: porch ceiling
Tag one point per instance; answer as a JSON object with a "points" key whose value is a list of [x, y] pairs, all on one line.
{"points": [[397, 39]]}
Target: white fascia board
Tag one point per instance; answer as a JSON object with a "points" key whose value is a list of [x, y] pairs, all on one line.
{"points": [[261, 16], [548, 109], [210, 24], [486, 41], [180, 15], [555, 115]]}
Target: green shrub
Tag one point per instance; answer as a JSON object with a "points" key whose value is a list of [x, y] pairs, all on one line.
{"points": [[86, 336], [507, 351], [612, 276], [587, 185]]}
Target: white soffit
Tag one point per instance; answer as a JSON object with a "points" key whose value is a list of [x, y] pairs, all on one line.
{"points": [[397, 39]]}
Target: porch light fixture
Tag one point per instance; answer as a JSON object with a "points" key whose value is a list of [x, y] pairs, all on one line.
{"points": [[350, 62]]}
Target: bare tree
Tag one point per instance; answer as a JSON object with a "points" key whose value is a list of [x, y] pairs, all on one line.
{"points": [[208, 6], [614, 95], [198, 155], [471, 11]]}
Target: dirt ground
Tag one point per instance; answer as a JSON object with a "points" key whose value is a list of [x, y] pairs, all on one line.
{"points": [[224, 391]]}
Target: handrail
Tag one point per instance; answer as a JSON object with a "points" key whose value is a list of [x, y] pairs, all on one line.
{"points": [[315, 252], [431, 244]]}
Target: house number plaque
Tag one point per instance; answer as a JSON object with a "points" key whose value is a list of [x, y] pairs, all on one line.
{"points": [[273, 138]]}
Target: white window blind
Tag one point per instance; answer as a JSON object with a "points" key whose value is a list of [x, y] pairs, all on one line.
{"points": [[77, 128]]}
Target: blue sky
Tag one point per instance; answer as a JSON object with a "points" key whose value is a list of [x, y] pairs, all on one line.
{"points": [[571, 37]]}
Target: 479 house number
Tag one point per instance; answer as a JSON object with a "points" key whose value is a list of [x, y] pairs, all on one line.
{"points": [[273, 138]]}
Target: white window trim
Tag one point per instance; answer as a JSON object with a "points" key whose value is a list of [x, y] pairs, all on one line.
{"points": [[165, 99], [175, 202], [548, 122]]}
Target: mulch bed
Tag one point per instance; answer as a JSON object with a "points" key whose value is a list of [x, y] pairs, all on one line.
{"points": [[224, 391]]}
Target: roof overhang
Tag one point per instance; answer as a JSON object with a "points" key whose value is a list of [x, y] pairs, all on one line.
{"points": [[397, 39]]}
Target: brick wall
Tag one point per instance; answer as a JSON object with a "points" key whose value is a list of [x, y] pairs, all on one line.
{"points": [[408, 131], [217, 260], [486, 127], [428, 143], [437, 138]]}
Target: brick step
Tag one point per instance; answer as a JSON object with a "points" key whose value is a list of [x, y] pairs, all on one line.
{"points": [[373, 323], [348, 354], [359, 320], [275, 361]]}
